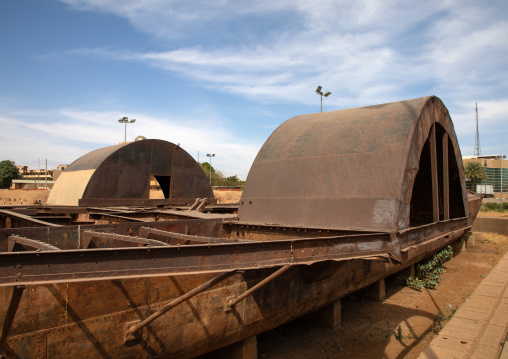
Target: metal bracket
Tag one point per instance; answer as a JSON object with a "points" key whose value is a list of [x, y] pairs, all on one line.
{"points": [[198, 205], [228, 307], [128, 335], [231, 303]]}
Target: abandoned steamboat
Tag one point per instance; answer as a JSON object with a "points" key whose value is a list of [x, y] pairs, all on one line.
{"points": [[334, 202]]}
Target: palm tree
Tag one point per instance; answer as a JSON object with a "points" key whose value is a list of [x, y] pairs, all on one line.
{"points": [[474, 171]]}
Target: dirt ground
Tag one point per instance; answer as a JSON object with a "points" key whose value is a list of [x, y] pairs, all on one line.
{"points": [[369, 329]]}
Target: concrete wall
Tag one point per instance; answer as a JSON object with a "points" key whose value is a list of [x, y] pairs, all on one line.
{"points": [[491, 224], [21, 197]]}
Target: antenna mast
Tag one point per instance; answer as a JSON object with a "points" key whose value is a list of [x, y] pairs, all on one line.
{"points": [[477, 151]]}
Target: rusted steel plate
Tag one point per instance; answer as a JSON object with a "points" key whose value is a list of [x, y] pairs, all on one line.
{"points": [[93, 159], [96, 328], [100, 264], [60, 210], [114, 218], [351, 169], [120, 175], [69, 237], [411, 236]]}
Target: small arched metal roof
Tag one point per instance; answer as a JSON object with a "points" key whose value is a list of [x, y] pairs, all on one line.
{"points": [[350, 169], [121, 175]]}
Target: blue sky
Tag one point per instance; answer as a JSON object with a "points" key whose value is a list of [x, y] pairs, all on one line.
{"points": [[220, 76]]}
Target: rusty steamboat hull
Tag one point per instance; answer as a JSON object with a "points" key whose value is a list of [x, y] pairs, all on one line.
{"points": [[173, 282]]}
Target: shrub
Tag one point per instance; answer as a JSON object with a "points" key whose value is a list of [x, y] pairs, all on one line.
{"points": [[428, 274]]}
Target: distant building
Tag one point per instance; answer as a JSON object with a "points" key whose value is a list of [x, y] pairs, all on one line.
{"points": [[495, 167], [22, 169], [37, 179]]}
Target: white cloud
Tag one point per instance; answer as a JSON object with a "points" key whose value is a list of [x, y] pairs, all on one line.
{"points": [[364, 52], [64, 135]]}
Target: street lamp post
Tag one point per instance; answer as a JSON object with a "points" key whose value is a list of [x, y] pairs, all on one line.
{"points": [[210, 155], [320, 93], [126, 121]]}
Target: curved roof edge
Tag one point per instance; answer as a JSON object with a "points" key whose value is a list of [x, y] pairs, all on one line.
{"points": [[120, 175], [347, 169]]}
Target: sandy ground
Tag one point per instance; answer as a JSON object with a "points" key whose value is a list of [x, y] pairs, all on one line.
{"points": [[369, 329]]}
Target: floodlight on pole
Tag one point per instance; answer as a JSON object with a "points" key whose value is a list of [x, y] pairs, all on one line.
{"points": [[320, 93], [210, 155], [126, 120]]}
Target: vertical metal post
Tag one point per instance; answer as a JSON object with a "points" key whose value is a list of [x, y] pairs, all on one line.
{"points": [[446, 179], [125, 137], [11, 312], [46, 184], [321, 103], [433, 165], [210, 155], [210, 170]]}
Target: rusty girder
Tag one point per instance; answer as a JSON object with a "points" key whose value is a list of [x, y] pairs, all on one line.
{"points": [[99, 264]]}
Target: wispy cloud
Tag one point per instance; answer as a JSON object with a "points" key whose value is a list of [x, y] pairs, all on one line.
{"points": [[365, 52], [72, 133]]}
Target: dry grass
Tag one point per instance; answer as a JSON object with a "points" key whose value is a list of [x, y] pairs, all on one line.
{"points": [[492, 214], [227, 196], [498, 240]]}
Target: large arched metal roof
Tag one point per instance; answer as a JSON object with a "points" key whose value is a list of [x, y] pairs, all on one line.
{"points": [[356, 169], [121, 175]]}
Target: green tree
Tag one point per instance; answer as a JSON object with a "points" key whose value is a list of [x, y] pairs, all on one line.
{"points": [[8, 172], [206, 168], [234, 181], [218, 178], [475, 171]]}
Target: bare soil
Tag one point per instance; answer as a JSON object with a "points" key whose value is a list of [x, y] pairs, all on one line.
{"points": [[369, 329]]}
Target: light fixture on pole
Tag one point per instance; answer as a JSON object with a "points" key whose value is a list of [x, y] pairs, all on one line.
{"points": [[320, 93], [210, 155], [126, 121]]}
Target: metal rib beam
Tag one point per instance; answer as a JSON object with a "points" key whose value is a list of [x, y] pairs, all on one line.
{"points": [[115, 263], [29, 244], [434, 173], [131, 239], [146, 231], [23, 217]]}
